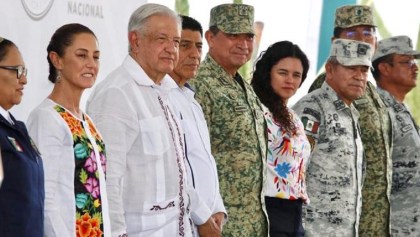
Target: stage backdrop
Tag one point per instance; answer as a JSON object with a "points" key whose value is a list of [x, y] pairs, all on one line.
{"points": [[31, 23]]}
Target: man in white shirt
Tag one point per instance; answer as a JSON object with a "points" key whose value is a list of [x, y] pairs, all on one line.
{"points": [[146, 178], [202, 170]]}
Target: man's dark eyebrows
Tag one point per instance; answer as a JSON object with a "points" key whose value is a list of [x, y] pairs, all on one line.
{"points": [[186, 41]]}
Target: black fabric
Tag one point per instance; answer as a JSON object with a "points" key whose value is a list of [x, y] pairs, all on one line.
{"points": [[239, 79], [285, 217], [22, 191]]}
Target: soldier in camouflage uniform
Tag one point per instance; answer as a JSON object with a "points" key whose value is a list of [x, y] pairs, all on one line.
{"points": [[353, 22], [395, 71], [356, 22], [334, 174], [235, 119]]}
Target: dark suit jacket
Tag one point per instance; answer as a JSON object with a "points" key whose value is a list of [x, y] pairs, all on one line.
{"points": [[22, 191]]}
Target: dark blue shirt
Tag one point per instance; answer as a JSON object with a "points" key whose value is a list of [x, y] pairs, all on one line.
{"points": [[22, 190]]}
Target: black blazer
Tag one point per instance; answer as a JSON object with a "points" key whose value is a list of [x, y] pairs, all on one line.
{"points": [[22, 191]]}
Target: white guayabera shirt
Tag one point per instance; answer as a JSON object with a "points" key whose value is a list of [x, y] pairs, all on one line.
{"points": [[146, 177], [201, 166]]}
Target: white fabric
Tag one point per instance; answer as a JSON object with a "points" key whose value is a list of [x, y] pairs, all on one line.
{"points": [[6, 115], [204, 171], [146, 177], [54, 139]]}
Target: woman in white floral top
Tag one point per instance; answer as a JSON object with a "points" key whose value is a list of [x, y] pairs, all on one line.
{"points": [[72, 148], [279, 72]]}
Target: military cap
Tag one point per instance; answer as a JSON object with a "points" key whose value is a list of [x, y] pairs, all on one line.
{"points": [[353, 15], [1, 39], [395, 45], [351, 52], [233, 18]]}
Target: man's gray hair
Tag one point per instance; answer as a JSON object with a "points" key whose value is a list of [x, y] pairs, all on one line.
{"points": [[140, 16]]}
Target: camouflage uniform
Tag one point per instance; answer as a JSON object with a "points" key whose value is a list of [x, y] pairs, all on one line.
{"points": [[334, 175], [346, 17], [405, 197], [375, 129], [238, 141], [237, 130], [405, 194]]}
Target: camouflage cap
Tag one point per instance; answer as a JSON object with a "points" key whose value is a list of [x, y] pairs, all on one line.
{"points": [[351, 52], [233, 18], [395, 45], [353, 15]]}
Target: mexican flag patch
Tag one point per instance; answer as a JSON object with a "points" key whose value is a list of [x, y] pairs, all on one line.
{"points": [[310, 125]]}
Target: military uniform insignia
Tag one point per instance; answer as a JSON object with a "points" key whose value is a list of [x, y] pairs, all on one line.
{"points": [[406, 128], [358, 11], [15, 144], [311, 142], [398, 107], [339, 104], [243, 10], [240, 108], [312, 112], [361, 101], [310, 125]]}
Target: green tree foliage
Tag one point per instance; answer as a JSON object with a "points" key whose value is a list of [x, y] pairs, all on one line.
{"points": [[182, 7]]}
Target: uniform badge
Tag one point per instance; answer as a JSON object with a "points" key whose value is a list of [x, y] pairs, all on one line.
{"points": [[398, 108], [339, 104], [361, 101], [243, 11], [15, 144], [312, 112], [310, 125], [406, 128], [240, 108]]}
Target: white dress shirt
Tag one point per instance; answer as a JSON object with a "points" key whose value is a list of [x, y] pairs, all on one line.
{"points": [[146, 177], [6, 115], [202, 170]]}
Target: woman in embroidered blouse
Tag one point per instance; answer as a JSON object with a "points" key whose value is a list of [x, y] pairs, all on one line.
{"points": [[279, 72], [73, 151]]}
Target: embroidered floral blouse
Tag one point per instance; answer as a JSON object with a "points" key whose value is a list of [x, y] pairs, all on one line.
{"points": [[86, 178], [74, 163], [287, 159]]}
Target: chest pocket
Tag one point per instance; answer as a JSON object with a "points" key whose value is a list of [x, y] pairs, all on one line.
{"points": [[154, 137]]}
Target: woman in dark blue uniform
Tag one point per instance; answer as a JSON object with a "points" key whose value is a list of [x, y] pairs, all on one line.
{"points": [[22, 189]]}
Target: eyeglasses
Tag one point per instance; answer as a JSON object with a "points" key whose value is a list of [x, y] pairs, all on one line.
{"points": [[20, 70], [352, 34], [409, 63]]}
